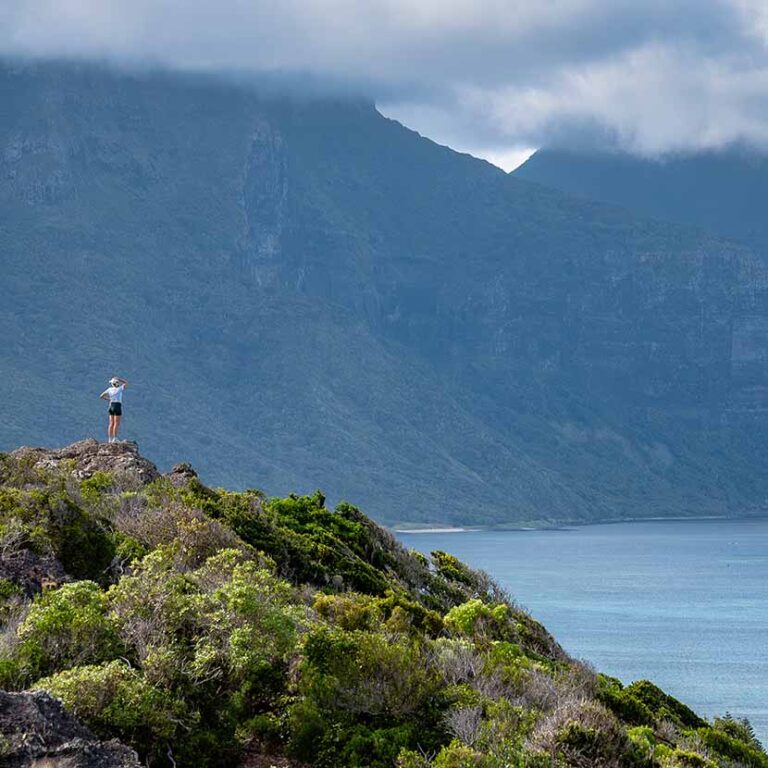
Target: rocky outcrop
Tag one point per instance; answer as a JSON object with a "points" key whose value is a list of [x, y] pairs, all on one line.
{"points": [[31, 572], [36, 730], [86, 457], [181, 474]]}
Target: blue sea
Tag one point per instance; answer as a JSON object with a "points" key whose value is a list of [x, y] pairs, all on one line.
{"points": [[682, 603]]}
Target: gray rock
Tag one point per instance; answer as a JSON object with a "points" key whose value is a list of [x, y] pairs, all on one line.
{"points": [[32, 572], [181, 474], [87, 457], [36, 730]]}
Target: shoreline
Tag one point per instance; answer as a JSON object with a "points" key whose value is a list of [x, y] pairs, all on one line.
{"points": [[439, 529], [568, 525]]}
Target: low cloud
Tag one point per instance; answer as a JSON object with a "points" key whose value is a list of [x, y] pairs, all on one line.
{"points": [[487, 76]]}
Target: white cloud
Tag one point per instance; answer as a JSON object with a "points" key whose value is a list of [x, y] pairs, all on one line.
{"points": [[650, 100], [486, 76]]}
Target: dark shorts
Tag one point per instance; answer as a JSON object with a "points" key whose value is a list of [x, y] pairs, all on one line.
{"points": [[115, 409]]}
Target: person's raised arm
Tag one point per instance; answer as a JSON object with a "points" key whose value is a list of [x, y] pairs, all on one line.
{"points": [[123, 382]]}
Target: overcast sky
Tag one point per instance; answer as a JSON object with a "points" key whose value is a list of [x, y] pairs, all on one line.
{"points": [[491, 77]]}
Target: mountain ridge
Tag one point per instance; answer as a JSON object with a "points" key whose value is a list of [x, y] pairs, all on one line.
{"points": [[306, 292], [718, 190]]}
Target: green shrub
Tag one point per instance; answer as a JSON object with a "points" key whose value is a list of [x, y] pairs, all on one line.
{"points": [[93, 488], [353, 610], [350, 611], [23, 524], [478, 618], [458, 755], [249, 621], [663, 706], [117, 701], [230, 620], [579, 744], [83, 544], [53, 523], [644, 738], [734, 747], [19, 471], [683, 758], [8, 589], [220, 637], [365, 672], [358, 677], [154, 612], [64, 628], [453, 569], [535, 638], [128, 550], [374, 747], [307, 727], [623, 703], [10, 597], [403, 615], [504, 731], [740, 729], [346, 743], [583, 734]]}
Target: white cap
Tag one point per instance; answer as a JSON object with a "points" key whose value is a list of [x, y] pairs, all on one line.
{"points": [[114, 381]]}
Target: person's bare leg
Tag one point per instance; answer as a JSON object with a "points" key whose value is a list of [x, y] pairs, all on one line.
{"points": [[117, 426], [111, 431]]}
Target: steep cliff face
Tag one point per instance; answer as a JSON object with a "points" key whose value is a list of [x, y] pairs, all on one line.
{"points": [[303, 291]]}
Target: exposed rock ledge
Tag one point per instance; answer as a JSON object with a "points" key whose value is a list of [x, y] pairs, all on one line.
{"points": [[87, 457], [36, 731]]}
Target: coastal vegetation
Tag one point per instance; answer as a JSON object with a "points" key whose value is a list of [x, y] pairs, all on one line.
{"points": [[201, 627]]}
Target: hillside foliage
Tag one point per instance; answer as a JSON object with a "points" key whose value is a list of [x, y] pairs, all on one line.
{"points": [[201, 626]]}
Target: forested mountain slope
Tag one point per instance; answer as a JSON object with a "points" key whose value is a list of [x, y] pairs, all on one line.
{"points": [[305, 292], [722, 191]]}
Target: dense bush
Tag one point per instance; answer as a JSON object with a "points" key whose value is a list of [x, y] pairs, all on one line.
{"points": [[51, 522], [662, 705], [622, 702], [64, 628], [729, 743], [477, 618], [117, 701], [204, 622]]}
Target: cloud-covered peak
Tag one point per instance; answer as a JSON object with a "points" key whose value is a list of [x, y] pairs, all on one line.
{"points": [[484, 75]]}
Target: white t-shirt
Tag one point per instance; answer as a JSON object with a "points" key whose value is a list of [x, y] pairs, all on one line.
{"points": [[116, 394]]}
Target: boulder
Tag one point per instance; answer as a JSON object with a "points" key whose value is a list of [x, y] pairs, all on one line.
{"points": [[181, 474], [31, 572], [36, 731]]}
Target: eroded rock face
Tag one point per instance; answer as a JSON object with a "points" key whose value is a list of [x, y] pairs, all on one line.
{"points": [[30, 571], [181, 474], [87, 457], [36, 730]]}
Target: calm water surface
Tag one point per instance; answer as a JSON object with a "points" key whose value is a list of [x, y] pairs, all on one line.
{"points": [[682, 603]]}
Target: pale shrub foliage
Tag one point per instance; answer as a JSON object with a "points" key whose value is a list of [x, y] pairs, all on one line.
{"points": [[464, 723], [194, 535], [605, 746]]}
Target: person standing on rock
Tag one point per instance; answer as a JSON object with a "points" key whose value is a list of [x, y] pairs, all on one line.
{"points": [[114, 393]]}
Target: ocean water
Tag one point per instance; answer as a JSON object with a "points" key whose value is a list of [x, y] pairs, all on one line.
{"points": [[681, 603]]}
